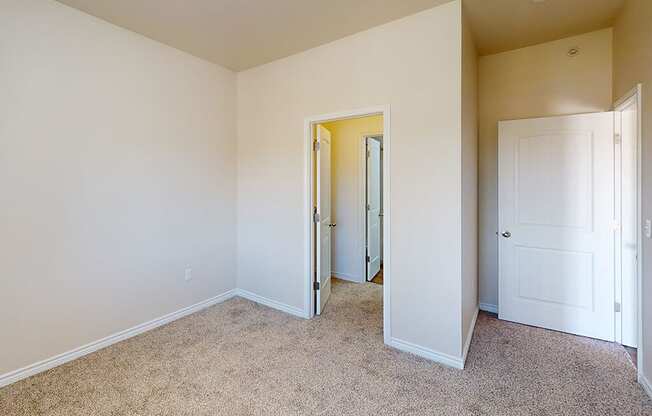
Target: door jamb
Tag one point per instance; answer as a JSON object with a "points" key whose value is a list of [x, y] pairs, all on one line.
{"points": [[637, 94], [309, 186]]}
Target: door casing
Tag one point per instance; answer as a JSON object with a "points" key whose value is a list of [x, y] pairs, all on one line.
{"points": [[310, 189], [636, 94]]}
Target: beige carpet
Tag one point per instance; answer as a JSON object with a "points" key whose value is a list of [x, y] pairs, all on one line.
{"points": [[239, 358]]}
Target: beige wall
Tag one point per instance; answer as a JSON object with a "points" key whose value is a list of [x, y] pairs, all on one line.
{"points": [[117, 170], [532, 82], [413, 65], [633, 65], [347, 190], [469, 180]]}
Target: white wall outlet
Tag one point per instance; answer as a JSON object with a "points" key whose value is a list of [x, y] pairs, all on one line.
{"points": [[647, 229], [188, 274]]}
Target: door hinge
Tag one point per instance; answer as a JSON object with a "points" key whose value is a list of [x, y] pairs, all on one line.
{"points": [[315, 217], [368, 259], [315, 145], [617, 307], [617, 138], [368, 153], [315, 285]]}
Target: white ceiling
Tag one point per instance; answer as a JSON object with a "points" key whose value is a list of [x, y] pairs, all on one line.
{"points": [[240, 34], [502, 25]]}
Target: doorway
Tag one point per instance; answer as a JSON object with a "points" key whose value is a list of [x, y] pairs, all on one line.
{"points": [[323, 220]]}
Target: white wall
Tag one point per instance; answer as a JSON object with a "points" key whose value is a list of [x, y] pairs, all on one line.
{"points": [[347, 191], [117, 170], [413, 65], [537, 81], [469, 258], [633, 65]]}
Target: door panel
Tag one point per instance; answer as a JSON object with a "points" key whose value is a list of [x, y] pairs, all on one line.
{"points": [[556, 204], [324, 228], [373, 208]]}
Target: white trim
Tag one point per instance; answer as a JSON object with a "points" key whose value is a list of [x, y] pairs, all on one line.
{"points": [[488, 307], [309, 302], [283, 307], [439, 357], [637, 93], [469, 337], [346, 276], [57, 360], [645, 383], [387, 324]]}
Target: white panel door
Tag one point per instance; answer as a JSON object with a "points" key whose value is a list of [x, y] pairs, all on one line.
{"points": [[373, 208], [556, 219], [324, 226]]}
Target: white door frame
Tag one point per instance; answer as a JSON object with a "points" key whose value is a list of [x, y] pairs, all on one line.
{"points": [[363, 199], [310, 188], [636, 93]]}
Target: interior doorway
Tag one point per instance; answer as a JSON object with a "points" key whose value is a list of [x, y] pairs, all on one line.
{"points": [[334, 182]]}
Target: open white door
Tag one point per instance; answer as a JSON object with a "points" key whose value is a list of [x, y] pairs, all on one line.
{"points": [[556, 216], [323, 220], [373, 208]]}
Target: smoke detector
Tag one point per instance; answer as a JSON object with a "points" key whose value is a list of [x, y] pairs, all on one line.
{"points": [[573, 52]]}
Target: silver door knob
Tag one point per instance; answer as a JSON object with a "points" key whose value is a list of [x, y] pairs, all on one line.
{"points": [[507, 234], [332, 225]]}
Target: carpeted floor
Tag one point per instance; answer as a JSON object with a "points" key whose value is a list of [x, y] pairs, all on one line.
{"points": [[239, 358]]}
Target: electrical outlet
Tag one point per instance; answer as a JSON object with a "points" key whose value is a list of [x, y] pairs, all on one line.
{"points": [[648, 229], [188, 274]]}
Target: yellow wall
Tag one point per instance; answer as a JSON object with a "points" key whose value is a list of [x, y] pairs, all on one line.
{"points": [[633, 65], [537, 81], [346, 136]]}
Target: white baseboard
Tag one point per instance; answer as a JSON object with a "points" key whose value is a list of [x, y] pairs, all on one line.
{"points": [[347, 277], [645, 383], [469, 337], [272, 303], [57, 360], [439, 357], [488, 307]]}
